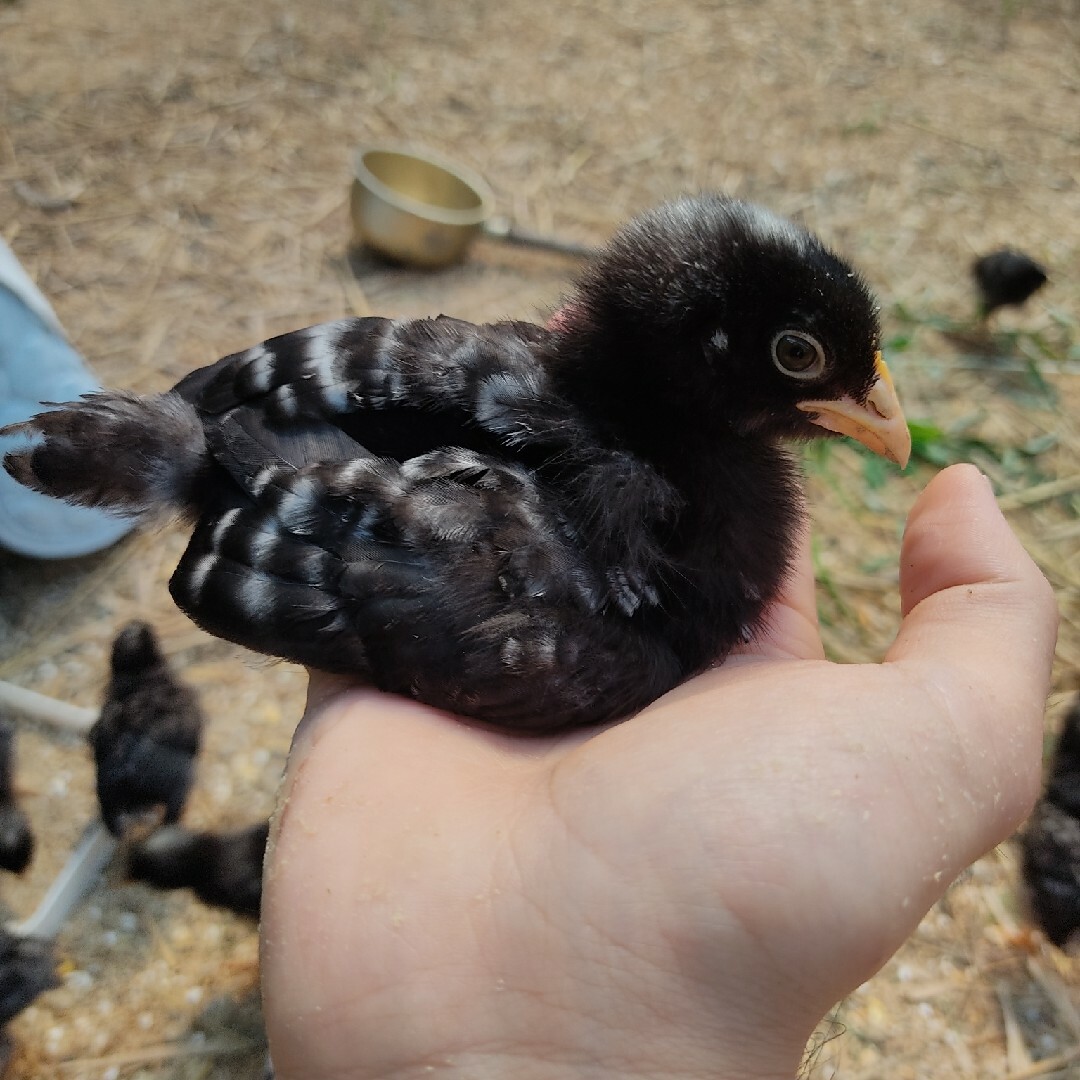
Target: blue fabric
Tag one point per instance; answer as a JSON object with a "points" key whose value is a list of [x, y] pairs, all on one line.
{"points": [[37, 365]]}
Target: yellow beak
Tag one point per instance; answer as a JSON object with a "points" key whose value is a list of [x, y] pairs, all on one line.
{"points": [[878, 424]]}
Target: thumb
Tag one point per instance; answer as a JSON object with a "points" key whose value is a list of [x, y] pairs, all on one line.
{"points": [[979, 628]]}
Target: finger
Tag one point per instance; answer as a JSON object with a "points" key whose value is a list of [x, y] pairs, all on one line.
{"points": [[978, 634], [790, 628]]}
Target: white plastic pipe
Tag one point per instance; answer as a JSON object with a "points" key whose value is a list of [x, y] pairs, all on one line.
{"points": [[79, 875], [59, 714]]}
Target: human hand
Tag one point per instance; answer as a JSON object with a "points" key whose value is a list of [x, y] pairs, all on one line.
{"points": [[684, 894]]}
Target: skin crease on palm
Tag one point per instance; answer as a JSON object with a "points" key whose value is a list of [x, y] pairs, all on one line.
{"points": [[684, 894]]}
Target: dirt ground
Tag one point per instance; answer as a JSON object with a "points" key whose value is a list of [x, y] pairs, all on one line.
{"points": [[175, 176]]}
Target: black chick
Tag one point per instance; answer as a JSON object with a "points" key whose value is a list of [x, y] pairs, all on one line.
{"points": [[147, 737], [539, 527], [1005, 278], [27, 969], [1050, 844], [16, 839], [223, 869]]}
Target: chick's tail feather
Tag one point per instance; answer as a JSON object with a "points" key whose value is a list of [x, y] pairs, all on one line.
{"points": [[113, 450]]}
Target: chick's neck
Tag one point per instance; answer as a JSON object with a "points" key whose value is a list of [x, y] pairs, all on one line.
{"points": [[644, 401]]}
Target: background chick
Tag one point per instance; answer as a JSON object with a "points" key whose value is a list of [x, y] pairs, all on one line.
{"points": [[1051, 842], [16, 838], [1005, 278], [27, 969], [223, 869], [148, 735]]}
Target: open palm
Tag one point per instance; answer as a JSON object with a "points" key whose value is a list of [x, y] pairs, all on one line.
{"points": [[682, 894]]}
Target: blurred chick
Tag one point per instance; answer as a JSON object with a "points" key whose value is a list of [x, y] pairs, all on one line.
{"points": [[27, 969], [147, 737], [1050, 843], [223, 869], [16, 839], [1005, 278]]}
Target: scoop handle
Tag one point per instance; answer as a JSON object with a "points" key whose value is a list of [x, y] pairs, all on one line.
{"points": [[504, 229]]}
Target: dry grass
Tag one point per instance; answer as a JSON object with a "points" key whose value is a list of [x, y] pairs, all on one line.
{"points": [[175, 177]]}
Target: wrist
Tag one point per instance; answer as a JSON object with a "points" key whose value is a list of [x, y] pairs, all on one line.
{"points": [[498, 1040]]}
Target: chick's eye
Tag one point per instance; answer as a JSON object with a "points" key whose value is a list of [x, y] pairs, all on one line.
{"points": [[798, 355]]}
